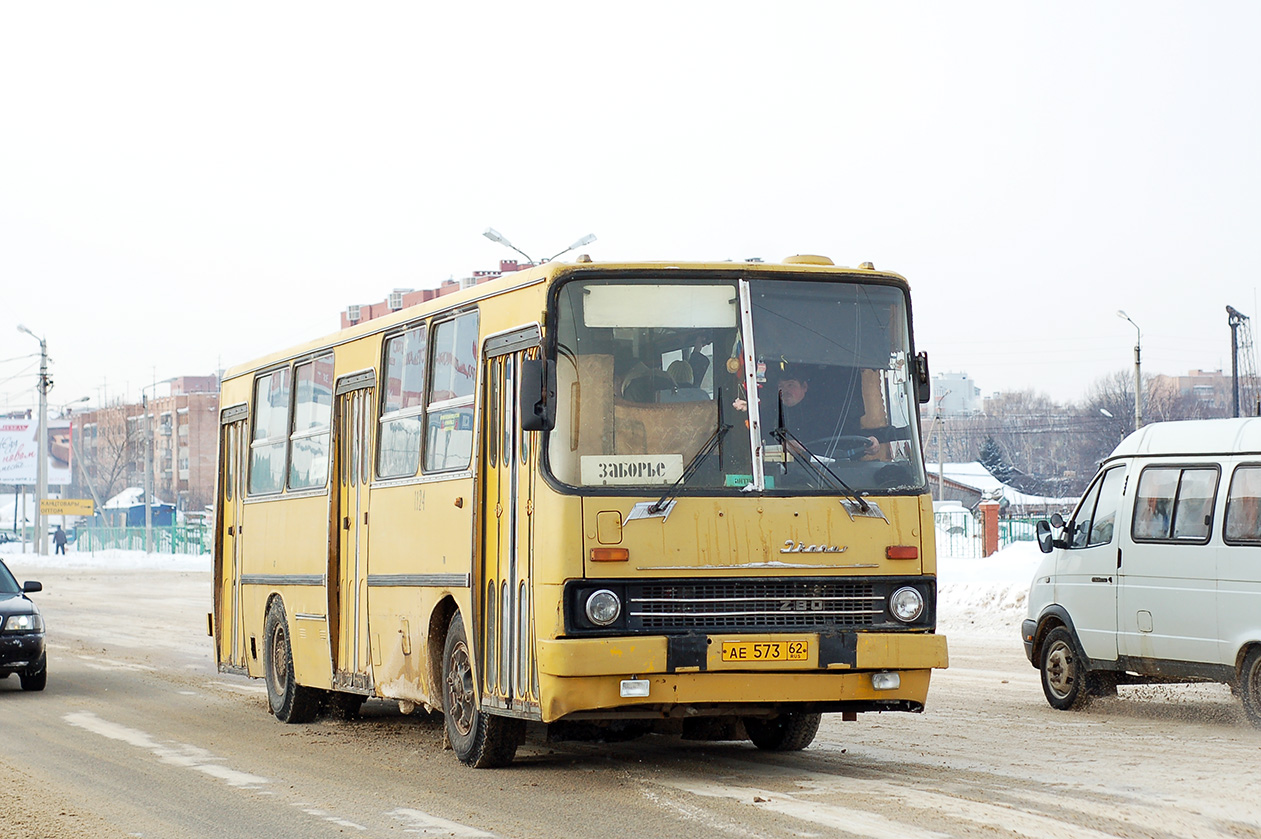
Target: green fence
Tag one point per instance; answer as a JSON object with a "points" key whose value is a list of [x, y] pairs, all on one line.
{"points": [[176, 539], [959, 532]]}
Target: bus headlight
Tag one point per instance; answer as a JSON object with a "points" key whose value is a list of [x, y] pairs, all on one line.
{"points": [[906, 604], [603, 607]]}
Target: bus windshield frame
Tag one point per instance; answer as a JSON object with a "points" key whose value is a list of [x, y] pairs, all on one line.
{"points": [[651, 365]]}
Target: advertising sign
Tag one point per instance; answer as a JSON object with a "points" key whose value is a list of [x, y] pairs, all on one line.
{"points": [[19, 452], [67, 507]]}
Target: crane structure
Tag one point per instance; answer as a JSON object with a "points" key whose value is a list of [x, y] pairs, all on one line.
{"points": [[1243, 366]]}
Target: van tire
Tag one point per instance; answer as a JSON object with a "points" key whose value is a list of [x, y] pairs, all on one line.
{"points": [[1065, 679], [1250, 686]]}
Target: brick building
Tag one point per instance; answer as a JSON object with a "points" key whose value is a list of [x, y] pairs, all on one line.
{"points": [[183, 432], [401, 298]]}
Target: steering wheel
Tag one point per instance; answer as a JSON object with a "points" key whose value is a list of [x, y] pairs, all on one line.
{"points": [[841, 446]]}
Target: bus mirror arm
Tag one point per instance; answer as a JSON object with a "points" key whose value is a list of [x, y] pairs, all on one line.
{"points": [[923, 382], [538, 394]]}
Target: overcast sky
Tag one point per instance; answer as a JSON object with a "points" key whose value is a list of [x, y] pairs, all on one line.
{"points": [[187, 186]]}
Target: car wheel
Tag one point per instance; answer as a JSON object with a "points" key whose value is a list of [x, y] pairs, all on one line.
{"points": [[1250, 686], [289, 701], [39, 678], [790, 732], [480, 740], [1064, 676]]}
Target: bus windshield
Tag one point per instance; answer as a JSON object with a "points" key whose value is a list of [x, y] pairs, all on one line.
{"points": [[650, 369]]}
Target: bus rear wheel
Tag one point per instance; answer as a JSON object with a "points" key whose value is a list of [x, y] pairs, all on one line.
{"points": [[289, 701], [479, 739], [789, 732]]}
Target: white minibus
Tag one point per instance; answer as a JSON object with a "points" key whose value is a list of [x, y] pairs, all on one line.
{"points": [[1156, 577]]}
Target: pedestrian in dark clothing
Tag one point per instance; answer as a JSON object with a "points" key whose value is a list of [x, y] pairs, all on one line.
{"points": [[59, 539]]}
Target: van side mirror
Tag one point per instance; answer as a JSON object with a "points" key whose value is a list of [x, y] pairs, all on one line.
{"points": [[923, 382], [1045, 539], [538, 394], [1057, 520]]}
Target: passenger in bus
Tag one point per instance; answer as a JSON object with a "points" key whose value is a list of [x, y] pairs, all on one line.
{"points": [[680, 373]]}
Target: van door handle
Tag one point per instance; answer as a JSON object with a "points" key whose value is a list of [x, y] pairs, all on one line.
{"points": [[1101, 579]]}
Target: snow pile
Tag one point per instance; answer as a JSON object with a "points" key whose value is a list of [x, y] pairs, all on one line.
{"points": [[986, 596], [111, 560]]}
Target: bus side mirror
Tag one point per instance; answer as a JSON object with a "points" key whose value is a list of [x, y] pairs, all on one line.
{"points": [[1045, 543], [923, 382], [538, 395]]}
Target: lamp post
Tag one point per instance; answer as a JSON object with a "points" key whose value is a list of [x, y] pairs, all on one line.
{"points": [[41, 480], [495, 236], [1138, 370]]}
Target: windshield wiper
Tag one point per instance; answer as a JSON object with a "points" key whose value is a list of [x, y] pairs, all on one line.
{"points": [[821, 470], [712, 444]]}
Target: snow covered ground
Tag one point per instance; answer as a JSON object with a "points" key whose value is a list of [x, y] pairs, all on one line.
{"points": [[975, 596]]}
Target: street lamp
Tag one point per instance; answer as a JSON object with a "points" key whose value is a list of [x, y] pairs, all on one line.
{"points": [[41, 467], [1138, 371], [495, 236]]}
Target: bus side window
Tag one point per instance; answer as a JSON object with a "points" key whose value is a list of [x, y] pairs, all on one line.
{"points": [[453, 374]]}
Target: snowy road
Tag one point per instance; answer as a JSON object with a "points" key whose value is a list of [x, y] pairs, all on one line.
{"points": [[137, 735]]}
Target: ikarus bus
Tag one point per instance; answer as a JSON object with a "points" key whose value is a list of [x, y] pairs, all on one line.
{"points": [[612, 499]]}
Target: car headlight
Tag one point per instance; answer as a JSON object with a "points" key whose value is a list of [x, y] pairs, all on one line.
{"points": [[906, 604], [603, 607], [23, 623]]}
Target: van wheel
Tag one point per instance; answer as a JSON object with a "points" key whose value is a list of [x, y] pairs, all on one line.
{"points": [[478, 739], [288, 700], [1064, 676], [1250, 686], [790, 732]]}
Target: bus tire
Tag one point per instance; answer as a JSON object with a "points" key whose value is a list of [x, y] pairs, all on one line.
{"points": [[1250, 686], [789, 732], [478, 739], [1065, 679], [289, 701]]}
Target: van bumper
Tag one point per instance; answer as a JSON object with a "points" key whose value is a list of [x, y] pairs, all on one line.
{"points": [[1027, 630]]}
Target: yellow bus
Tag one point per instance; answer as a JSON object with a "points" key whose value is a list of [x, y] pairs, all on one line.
{"points": [[614, 499]]}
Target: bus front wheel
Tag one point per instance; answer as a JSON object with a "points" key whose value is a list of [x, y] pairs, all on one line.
{"points": [[789, 732], [289, 701], [479, 739]]}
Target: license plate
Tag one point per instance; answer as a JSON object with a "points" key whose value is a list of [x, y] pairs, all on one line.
{"points": [[765, 650]]}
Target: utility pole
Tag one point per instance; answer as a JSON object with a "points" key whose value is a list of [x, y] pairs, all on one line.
{"points": [[1138, 371], [148, 477], [41, 479]]}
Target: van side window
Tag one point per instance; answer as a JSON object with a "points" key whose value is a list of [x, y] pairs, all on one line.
{"points": [[1174, 504], [1243, 506], [1097, 513]]}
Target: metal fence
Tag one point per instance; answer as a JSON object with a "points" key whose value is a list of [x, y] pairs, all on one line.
{"points": [[959, 532], [175, 539]]}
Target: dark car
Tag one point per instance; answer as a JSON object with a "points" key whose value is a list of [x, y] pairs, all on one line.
{"points": [[21, 632]]}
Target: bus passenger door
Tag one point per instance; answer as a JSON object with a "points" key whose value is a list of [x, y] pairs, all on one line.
{"points": [[233, 445], [348, 568], [509, 669]]}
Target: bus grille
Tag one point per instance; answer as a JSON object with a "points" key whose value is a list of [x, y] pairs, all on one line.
{"points": [[734, 604]]}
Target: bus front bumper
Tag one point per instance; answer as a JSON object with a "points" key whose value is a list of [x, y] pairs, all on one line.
{"points": [[590, 674]]}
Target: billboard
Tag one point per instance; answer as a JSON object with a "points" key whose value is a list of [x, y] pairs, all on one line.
{"points": [[19, 452]]}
